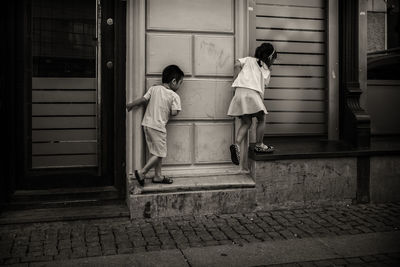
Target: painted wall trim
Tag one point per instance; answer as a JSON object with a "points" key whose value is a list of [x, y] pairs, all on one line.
{"points": [[135, 82], [244, 17], [362, 51], [250, 52]]}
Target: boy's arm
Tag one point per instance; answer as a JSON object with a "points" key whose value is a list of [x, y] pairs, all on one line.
{"points": [[176, 105], [137, 102]]}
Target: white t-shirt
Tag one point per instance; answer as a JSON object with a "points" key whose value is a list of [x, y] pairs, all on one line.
{"points": [[161, 101], [250, 75]]}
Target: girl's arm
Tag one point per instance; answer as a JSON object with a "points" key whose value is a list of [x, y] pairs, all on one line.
{"points": [[137, 102], [174, 112], [236, 69]]}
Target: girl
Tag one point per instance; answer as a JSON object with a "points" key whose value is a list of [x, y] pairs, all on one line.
{"points": [[252, 75]]}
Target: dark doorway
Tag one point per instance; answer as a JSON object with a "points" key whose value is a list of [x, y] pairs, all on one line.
{"points": [[68, 117]]}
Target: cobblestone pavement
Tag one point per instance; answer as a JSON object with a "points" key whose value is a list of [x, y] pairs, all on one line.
{"points": [[77, 239]]}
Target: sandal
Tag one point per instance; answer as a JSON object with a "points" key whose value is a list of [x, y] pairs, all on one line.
{"points": [[264, 148], [164, 180], [235, 154], [139, 178]]}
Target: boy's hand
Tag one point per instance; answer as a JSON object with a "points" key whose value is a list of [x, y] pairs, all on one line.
{"points": [[129, 107], [136, 103]]}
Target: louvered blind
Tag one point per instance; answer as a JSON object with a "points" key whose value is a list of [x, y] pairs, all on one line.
{"points": [[295, 98], [64, 96], [64, 122]]}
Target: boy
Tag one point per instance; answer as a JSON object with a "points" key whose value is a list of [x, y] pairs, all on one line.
{"points": [[162, 101]]}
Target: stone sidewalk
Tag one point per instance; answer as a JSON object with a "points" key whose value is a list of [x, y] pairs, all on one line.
{"points": [[61, 241]]}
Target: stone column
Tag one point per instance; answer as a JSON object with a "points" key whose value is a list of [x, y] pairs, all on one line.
{"points": [[354, 121]]}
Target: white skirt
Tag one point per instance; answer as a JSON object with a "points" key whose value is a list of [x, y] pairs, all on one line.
{"points": [[246, 101]]}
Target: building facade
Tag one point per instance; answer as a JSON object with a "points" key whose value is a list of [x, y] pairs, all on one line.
{"points": [[73, 65]]}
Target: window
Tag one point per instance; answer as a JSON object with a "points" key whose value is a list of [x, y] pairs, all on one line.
{"points": [[384, 59]]}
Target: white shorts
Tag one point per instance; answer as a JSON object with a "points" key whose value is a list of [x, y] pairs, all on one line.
{"points": [[156, 142]]}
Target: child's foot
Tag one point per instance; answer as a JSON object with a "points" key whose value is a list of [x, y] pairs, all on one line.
{"points": [[264, 148], [163, 180], [235, 154], [139, 177]]}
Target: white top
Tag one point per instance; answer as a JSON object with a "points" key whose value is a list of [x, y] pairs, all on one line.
{"points": [[161, 101], [250, 75]]}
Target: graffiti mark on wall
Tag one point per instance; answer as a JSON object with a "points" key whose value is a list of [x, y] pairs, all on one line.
{"points": [[212, 51]]}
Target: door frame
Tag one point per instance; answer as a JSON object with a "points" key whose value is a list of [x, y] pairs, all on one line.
{"points": [[18, 80], [136, 76]]}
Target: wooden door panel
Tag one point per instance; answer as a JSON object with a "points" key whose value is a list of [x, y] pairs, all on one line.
{"points": [[68, 98]]}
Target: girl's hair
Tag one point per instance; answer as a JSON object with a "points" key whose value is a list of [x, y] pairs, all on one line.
{"points": [[265, 53], [172, 72]]}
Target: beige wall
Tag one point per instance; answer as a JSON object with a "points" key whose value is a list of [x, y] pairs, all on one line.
{"points": [[199, 37]]}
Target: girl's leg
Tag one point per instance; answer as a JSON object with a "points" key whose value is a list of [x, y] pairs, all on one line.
{"points": [[260, 147], [140, 174], [260, 128], [245, 124]]}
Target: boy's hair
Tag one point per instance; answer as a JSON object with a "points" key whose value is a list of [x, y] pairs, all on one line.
{"points": [[172, 72], [266, 53]]}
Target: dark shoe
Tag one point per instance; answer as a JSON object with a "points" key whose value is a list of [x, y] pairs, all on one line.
{"points": [[235, 154], [139, 178], [264, 149], [165, 180]]}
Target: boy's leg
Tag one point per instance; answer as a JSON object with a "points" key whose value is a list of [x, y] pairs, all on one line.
{"points": [[157, 170], [153, 160], [158, 178]]}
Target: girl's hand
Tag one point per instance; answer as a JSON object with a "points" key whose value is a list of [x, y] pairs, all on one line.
{"points": [[174, 112], [236, 69]]}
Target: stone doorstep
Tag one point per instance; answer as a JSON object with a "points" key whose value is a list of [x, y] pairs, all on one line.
{"points": [[202, 202], [211, 194], [201, 183]]}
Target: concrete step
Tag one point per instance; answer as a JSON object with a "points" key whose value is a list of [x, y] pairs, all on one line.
{"points": [[210, 194], [211, 182]]}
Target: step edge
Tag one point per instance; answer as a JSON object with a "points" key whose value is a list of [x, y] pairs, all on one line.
{"points": [[196, 188], [65, 191]]}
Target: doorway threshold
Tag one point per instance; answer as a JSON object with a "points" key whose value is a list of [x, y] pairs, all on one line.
{"points": [[200, 183], [89, 212], [62, 197]]}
